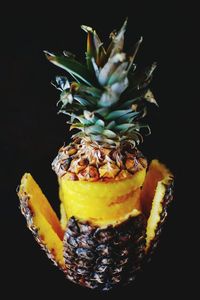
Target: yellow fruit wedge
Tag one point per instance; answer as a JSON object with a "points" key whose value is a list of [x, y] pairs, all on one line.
{"points": [[155, 196], [41, 219]]}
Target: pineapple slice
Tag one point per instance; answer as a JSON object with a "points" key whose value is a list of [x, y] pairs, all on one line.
{"points": [[155, 197], [41, 219]]}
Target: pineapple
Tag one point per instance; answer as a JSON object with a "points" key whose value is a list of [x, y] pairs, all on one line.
{"points": [[113, 203]]}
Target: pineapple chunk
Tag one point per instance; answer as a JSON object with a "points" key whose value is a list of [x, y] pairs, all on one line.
{"points": [[41, 219]]}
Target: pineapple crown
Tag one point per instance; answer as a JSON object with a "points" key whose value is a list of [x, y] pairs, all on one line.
{"points": [[107, 95]]}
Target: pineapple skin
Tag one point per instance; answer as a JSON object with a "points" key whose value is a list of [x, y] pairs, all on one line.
{"points": [[84, 160], [29, 216], [102, 258]]}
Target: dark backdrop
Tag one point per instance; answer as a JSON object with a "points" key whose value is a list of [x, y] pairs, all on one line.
{"points": [[32, 132]]}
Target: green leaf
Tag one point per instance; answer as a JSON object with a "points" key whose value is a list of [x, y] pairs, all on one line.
{"points": [[110, 67], [90, 116], [124, 127], [119, 74], [119, 87], [108, 98], [100, 123], [140, 79], [146, 127], [77, 126], [102, 111], [116, 114], [95, 48], [61, 83], [81, 119], [94, 129], [89, 94], [117, 43], [92, 91], [95, 67], [111, 125], [101, 139], [72, 66], [100, 51], [109, 133], [128, 117], [135, 50], [65, 98], [91, 50], [128, 103], [84, 121], [81, 101], [90, 99]]}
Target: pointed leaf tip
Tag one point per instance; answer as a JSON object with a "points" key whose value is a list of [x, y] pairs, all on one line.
{"points": [[123, 28], [135, 50], [152, 68], [154, 65], [117, 43], [150, 98], [141, 39], [125, 23], [48, 53], [86, 28]]}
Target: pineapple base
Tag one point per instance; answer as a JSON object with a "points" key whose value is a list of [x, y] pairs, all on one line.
{"points": [[100, 256], [104, 258]]}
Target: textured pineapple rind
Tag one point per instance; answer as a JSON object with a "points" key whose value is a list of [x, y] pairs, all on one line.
{"points": [[28, 214], [67, 162], [104, 258], [168, 197]]}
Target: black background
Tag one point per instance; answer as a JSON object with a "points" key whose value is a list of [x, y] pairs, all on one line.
{"points": [[32, 132]]}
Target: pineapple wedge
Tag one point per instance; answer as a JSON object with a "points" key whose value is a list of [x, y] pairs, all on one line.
{"points": [[41, 219]]}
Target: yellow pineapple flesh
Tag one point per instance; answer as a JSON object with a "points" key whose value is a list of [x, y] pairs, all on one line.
{"points": [[101, 203], [153, 195], [41, 218]]}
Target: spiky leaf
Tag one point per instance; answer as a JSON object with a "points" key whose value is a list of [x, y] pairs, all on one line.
{"points": [[72, 66]]}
